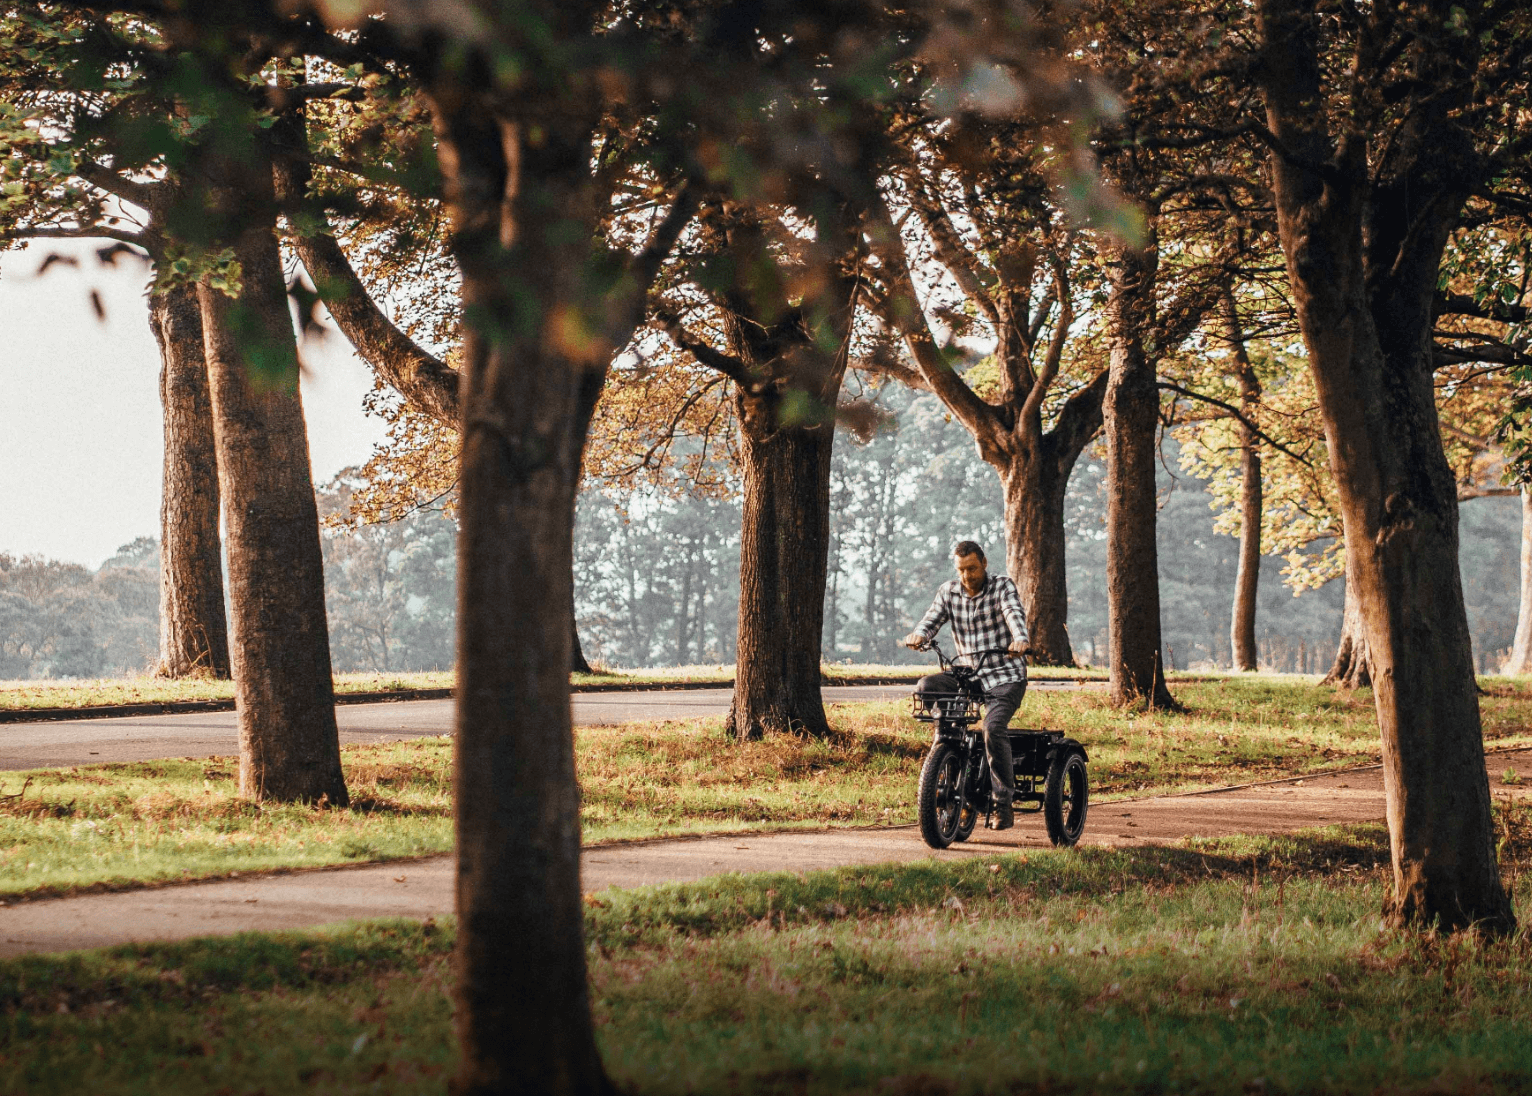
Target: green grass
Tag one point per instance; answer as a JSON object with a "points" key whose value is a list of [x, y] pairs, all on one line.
{"points": [[126, 824], [108, 826], [98, 692], [1254, 964]]}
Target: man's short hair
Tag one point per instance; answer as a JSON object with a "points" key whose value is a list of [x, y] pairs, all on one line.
{"points": [[969, 548]]}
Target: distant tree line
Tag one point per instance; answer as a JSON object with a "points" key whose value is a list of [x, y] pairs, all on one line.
{"points": [[389, 599], [656, 576]]}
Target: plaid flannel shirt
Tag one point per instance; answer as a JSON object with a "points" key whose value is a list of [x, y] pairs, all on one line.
{"points": [[990, 619]]}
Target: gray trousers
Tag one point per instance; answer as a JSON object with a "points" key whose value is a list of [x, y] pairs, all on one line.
{"points": [[1001, 703]]}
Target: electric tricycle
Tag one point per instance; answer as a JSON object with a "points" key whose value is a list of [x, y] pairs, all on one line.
{"points": [[954, 781]]}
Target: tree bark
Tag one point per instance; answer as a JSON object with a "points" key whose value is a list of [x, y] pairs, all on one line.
{"points": [[1131, 415], [1247, 579], [523, 1009], [1352, 669], [1034, 492], [787, 359], [284, 691], [194, 633], [784, 553], [1521, 648], [1363, 257]]}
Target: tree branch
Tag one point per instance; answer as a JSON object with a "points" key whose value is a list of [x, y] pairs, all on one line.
{"points": [[645, 266], [727, 364], [1457, 304], [950, 251], [1078, 422], [103, 178], [1033, 407], [426, 382], [1240, 415], [1490, 353], [903, 312], [89, 232]]}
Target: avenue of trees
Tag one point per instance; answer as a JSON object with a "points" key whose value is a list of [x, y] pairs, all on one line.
{"points": [[1298, 225]]}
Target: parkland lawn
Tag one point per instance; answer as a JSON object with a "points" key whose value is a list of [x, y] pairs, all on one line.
{"points": [[64, 830], [1234, 966], [104, 692]]}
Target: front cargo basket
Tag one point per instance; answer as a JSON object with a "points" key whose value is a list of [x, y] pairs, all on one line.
{"points": [[955, 707]]}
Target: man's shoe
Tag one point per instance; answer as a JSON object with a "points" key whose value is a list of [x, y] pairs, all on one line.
{"points": [[1005, 817]]}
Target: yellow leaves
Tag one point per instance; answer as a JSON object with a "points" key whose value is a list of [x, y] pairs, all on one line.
{"points": [[667, 424]]}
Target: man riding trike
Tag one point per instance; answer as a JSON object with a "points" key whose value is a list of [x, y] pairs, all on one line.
{"points": [[987, 679]]}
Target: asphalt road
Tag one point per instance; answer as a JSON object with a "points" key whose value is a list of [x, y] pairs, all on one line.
{"points": [[424, 888], [214, 734]]}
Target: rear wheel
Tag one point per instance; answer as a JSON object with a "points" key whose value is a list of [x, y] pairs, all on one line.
{"points": [[1066, 796], [938, 803]]}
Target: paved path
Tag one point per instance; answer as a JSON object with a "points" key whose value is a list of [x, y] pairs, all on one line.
{"points": [[214, 734], [423, 888]]}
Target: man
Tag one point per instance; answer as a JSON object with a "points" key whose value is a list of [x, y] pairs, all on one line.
{"points": [[986, 615]]}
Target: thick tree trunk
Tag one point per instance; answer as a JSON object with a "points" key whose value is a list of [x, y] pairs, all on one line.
{"points": [[1352, 669], [194, 633], [284, 691], [1034, 554], [1521, 649], [1130, 412], [1247, 579], [784, 553], [523, 1008], [1363, 258]]}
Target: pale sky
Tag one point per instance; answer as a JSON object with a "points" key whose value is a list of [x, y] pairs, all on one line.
{"points": [[80, 440]]}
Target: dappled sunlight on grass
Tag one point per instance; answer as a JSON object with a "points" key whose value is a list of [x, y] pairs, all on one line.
{"points": [[1222, 966]]}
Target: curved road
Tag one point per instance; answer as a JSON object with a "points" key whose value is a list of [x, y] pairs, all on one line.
{"points": [[214, 734]]}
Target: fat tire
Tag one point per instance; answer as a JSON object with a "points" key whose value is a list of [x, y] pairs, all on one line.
{"points": [[926, 806], [1064, 828]]}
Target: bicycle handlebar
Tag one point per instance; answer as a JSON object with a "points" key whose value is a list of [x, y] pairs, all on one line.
{"points": [[949, 663]]}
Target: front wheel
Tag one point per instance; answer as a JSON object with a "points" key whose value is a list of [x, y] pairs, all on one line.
{"points": [[1066, 796], [939, 803]]}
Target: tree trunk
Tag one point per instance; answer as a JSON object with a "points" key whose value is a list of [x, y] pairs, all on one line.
{"points": [[1248, 578], [1521, 648], [577, 663], [1352, 669], [284, 691], [194, 633], [784, 553], [1363, 258], [1034, 553], [1130, 411], [523, 1008]]}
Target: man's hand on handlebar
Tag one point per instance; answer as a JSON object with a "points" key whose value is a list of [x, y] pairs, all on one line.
{"points": [[1018, 649], [915, 642]]}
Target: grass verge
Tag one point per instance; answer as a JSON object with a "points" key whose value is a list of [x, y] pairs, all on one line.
{"points": [[101, 692], [128, 824], [1234, 966]]}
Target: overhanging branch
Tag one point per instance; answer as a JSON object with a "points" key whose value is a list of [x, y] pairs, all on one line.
{"points": [[1238, 414]]}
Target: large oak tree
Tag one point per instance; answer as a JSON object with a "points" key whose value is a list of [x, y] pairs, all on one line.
{"points": [[1384, 123]]}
